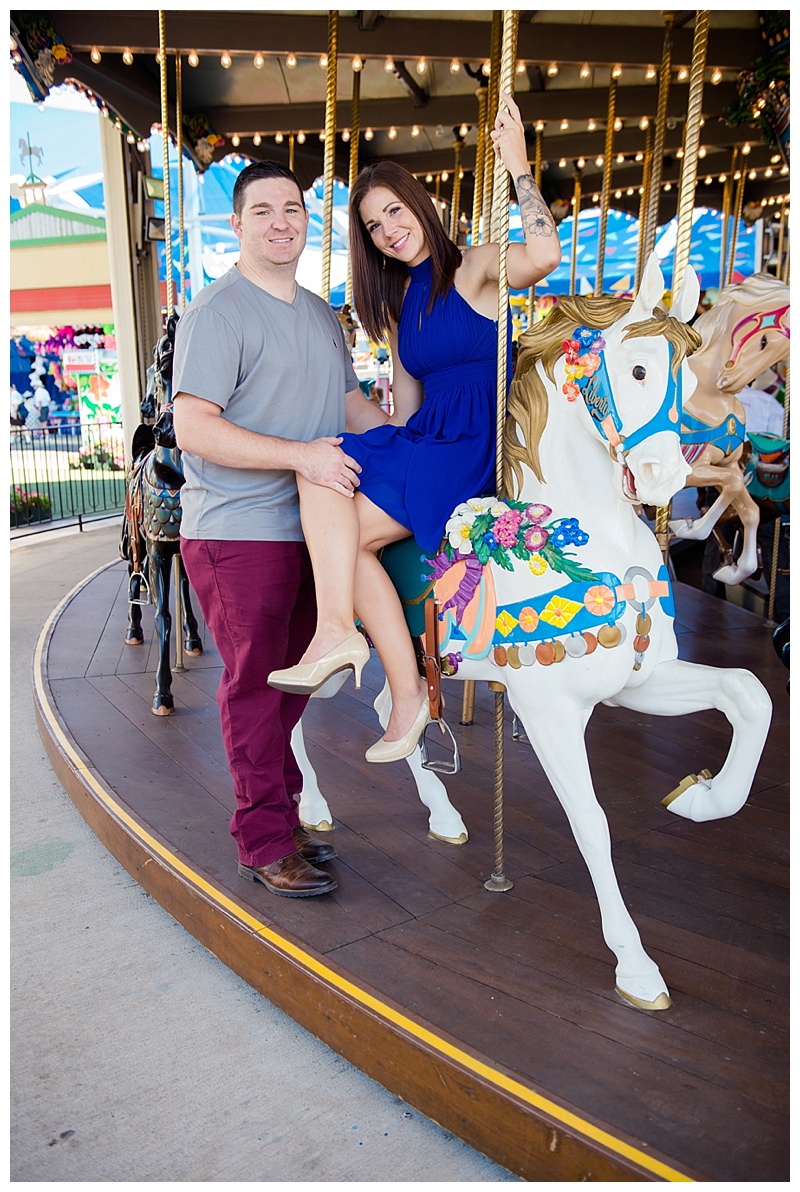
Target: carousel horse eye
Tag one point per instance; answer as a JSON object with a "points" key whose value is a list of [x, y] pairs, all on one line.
{"points": [[639, 372], [763, 342]]}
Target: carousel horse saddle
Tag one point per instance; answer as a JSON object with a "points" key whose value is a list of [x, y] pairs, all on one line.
{"points": [[409, 569], [727, 435], [767, 470]]}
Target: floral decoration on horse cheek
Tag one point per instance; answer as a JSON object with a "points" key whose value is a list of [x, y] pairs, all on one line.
{"points": [[486, 529], [581, 359]]}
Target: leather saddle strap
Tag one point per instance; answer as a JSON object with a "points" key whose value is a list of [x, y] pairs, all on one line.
{"points": [[433, 672]]}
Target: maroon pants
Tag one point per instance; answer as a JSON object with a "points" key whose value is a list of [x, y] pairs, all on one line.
{"points": [[258, 602]]}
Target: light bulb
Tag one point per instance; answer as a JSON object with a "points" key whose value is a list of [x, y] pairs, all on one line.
{"points": [[258, 60], [257, 139], [455, 66], [463, 130], [415, 130], [346, 135], [392, 133], [130, 138], [301, 138], [429, 177], [95, 54], [683, 74], [278, 138], [598, 161], [552, 69], [650, 73], [644, 123], [193, 58], [716, 76], [667, 186], [616, 71], [321, 134], [520, 66], [127, 56], [585, 71], [562, 163], [422, 66], [369, 134], [225, 60], [357, 63], [617, 124], [323, 61], [236, 140], [291, 61], [388, 65], [486, 68], [639, 157], [745, 148], [591, 125], [564, 125], [581, 163], [445, 176], [617, 194], [701, 152]]}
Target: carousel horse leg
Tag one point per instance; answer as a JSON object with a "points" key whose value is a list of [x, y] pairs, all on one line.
{"points": [[747, 562], [557, 736], [679, 688], [159, 563], [444, 822], [192, 642], [312, 807], [697, 529], [134, 636]]}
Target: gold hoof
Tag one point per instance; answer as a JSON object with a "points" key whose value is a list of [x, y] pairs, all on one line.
{"points": [[462, 839], [662, 1002], [689, 781], [322, 826]]}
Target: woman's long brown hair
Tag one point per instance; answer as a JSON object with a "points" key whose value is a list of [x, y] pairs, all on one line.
{"points": [[379, 282]]}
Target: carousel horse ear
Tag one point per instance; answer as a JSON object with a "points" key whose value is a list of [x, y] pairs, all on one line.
{"points": [[651, 290], [684, 304]]}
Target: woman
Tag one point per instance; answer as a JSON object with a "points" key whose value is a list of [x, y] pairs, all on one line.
{"points": [[439, 312]]}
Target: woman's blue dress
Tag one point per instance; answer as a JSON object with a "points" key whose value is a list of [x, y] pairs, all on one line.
{"points": [[445, 453]]}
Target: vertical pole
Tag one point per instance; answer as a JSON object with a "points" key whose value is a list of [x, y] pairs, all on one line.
{"points": [[653, 200], [491, 112], [456, 200], [647, 173], [576, 210], [507, 60], [162, 42], [688, 184], [537, 177], [605, 198], [179, 139], [291, 151], [480, 166], [737, 215], [727, 203], [355, 133], [330, 155], [776, 540]]}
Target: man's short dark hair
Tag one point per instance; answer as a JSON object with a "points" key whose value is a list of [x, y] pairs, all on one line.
{"points": [[261, 169]]}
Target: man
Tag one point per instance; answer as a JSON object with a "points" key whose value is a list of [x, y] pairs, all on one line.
{"points": [[261, 376]]}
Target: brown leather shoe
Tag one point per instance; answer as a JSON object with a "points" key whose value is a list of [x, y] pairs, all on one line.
{"points": [[311, 850], [291, 877]]}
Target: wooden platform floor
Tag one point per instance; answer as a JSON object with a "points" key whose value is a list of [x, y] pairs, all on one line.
{"points": [[495, 1014]]}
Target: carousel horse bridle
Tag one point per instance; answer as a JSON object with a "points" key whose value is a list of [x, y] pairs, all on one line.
{"points": [[588, 377]]}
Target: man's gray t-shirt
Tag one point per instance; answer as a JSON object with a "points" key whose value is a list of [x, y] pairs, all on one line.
{"points": [[279, 368]]}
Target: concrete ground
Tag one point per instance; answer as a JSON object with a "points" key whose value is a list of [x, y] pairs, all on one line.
{"points": [[136, 1056]]}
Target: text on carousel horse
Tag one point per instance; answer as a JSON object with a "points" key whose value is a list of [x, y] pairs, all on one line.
{"points": [[744, 333]]}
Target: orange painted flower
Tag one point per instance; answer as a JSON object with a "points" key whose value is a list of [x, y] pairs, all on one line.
{"points": [[570, 390], [599, 600], [528, 619]]}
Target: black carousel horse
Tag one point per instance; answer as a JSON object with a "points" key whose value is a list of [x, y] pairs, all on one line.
{"points": [[151, 527]]}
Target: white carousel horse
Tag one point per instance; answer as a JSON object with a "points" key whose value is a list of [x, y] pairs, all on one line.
{"points": [[744, 333], [591, 436]]}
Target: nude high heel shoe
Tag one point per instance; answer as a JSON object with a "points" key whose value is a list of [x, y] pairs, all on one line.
{"points": [[395, 751], [306, 677]]}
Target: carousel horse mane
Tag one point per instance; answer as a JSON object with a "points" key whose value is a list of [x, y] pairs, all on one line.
{"points": [[756, 290], [528, 400]]}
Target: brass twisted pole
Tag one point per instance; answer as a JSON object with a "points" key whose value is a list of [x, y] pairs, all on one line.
{"points": [[162, 46], [605, 198], [179, 150], [455, 202], [727, 203], [500, 195], [291, 151], [647, 173], [781, 232], [480, 166], [330, 155], [491, 111], [737, 215], [537, 177], [776, 538], [576, 211], [654, 197], [688, 183], [355, 133]]}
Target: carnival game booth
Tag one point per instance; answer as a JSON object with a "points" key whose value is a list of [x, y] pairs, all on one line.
{"points": [[462, 961]]}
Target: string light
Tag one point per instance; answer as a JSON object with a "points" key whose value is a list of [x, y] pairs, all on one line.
{"points": [[746, 148], [644, 123], [591, 125], [257, 139], [486, 68], [562, 163], [236, 140], [617, 124], [598, 161], [463, 130], [702, 151], [388, 65], [301, 138], [620, 158], [291, 61], [455, 66], [429, 177], [323, 61], [722, 178], [357, 63], [278, 138], [650, 73], [540, 125], [392, 133], [346, 135], [193, 58], [127, 56], [552, 69], [585, 71], [752, 175], [667, 186], [683, 74], [581, 163], [321, 134], [415, 130], [157, 56], [564, 125], [130, 138], [369, 134], [679, 153], [95, 54], [520, 66], [617, 194], [709, 180], [445, 176], [716, 76], [616, 71], [639, 157], [225, 60], [422, 66]]}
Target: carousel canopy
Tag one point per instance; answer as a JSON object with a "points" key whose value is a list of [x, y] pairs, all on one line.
{"points": [[250, 80]]}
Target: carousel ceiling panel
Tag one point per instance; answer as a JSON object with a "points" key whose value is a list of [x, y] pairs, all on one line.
{"points": [[254, 98]]}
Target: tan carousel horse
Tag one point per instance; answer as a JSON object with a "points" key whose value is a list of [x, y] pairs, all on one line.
{"points": [[744, 333]]}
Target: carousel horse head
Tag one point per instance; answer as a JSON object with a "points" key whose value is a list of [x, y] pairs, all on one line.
{"points": [[158, 383], [748, 328], [619, 365]]}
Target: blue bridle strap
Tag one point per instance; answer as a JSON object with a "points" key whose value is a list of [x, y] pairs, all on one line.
{"points": [[599, 399]]}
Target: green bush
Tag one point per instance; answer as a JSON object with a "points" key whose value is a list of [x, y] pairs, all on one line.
{"points": [[29, 506]]}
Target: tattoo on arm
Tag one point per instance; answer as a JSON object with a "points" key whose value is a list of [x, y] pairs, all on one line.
{"points": [[535, 216]]}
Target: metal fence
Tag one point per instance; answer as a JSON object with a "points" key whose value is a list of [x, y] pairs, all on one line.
{"points": [[66, 473]]}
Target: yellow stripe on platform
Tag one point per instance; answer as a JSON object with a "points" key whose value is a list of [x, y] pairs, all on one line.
{"points": [[311, 963]]}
